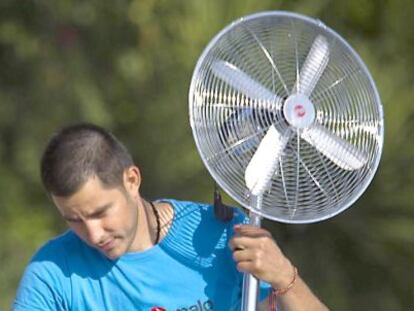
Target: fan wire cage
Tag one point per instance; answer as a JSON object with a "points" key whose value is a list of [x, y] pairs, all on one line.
{"points": [[240, 91]]}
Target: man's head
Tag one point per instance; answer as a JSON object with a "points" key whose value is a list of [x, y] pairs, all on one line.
{"points": [[78, 152], [95, 186]]}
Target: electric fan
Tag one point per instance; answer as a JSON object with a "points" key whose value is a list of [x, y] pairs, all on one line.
{"points": [[286, 118]]}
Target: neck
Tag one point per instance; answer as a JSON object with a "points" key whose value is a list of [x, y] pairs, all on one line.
{"points": [[158, 222], [146, 232], [147, 227]]}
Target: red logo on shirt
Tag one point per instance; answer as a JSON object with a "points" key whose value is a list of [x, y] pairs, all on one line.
{"points": [[158, 309]]}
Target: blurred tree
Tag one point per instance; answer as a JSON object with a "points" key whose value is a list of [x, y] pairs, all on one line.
{"points": [[127, 65]]}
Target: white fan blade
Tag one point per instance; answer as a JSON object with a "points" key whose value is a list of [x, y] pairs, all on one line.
{"points": [[338, 150], [241, 81], [313, 66], [264, 162]]}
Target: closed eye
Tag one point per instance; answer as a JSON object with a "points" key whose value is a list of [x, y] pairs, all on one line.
{"points": [[72, 220], [100, 212]]}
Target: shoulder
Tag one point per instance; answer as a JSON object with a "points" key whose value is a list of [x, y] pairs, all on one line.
{"points": [[66, 255], [207, 209], [58, 249], [50, 262], [55, 249], [45, 279], [65, 239], [192, 217]]}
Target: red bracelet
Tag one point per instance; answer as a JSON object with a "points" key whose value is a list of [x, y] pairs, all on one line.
{"points": [[281, 291]]}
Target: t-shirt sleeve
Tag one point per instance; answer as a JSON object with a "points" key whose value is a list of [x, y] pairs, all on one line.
{"points": [[44, 284]]}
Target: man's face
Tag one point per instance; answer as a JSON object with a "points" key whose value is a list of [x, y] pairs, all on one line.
{"points": [[105, 218]]}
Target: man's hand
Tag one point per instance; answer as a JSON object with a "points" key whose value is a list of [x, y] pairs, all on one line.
{"points": [[255, 252]]}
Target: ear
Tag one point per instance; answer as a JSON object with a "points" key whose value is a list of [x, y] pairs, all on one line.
{"points": [[132, 180]]}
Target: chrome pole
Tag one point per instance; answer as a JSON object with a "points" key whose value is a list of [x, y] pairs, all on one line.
{"points": [[251, 283]]}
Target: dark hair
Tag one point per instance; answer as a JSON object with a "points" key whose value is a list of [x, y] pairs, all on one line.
{"points": [[78, 152]]}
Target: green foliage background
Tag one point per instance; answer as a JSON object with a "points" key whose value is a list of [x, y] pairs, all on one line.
{"points": [[127, 65]]}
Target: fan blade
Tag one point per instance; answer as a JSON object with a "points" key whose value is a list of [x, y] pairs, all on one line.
{"points": [[241, 81], [313, 66], [264, 162], [338, 150]]}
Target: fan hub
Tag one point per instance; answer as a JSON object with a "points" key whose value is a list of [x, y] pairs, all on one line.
{"points": [[299, 111]]}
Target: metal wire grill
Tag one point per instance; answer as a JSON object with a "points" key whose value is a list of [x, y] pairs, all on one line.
{"points": [[228, 125]]}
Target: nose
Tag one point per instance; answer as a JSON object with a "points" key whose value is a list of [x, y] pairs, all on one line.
{"points": [[94, 231]]}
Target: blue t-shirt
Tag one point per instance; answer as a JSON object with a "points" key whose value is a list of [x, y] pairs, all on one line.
{"points": [[190, 269]]}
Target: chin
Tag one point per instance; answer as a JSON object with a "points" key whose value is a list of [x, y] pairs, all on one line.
{"points": [[113, 254], [112, 257]]}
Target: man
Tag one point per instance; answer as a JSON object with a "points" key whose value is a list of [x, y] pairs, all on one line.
{"points": [[123, 252]]}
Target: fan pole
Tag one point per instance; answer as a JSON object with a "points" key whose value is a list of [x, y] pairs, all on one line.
{"points": [[250, 282]]}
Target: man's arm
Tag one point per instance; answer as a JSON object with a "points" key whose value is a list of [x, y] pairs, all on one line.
{"points": [[256, 252], [300, 297]]}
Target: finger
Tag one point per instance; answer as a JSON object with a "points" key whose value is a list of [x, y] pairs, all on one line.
{"points": [[255, 242], [250, 230], [244, 255], [241, 242], [247, 266]]}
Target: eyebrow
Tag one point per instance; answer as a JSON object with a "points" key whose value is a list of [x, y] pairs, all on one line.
{"points": [[94, 214]]}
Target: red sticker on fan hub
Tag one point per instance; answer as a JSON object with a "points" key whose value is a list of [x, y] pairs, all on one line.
{"points": [[158, 309], [300, 110]]}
